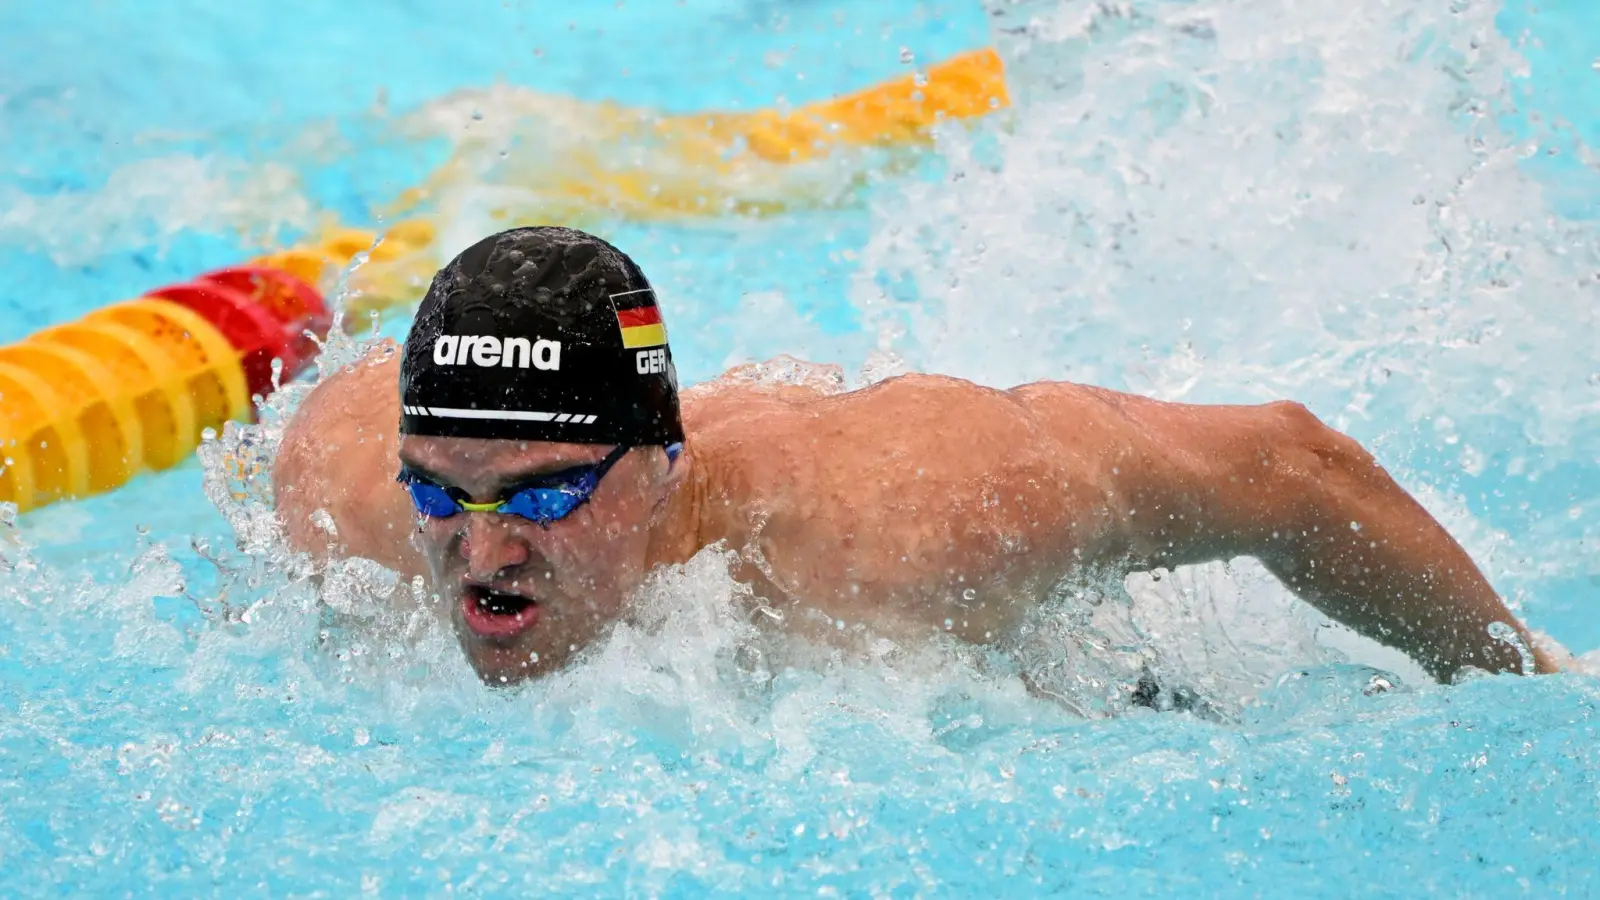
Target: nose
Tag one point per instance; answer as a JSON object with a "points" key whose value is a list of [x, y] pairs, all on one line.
{"points": [[490, 546]]}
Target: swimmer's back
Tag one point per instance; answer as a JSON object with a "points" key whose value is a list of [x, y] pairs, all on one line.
{"points": [[920, 486]]}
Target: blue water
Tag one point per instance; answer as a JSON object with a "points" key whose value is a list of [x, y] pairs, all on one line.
{"points": [[1223, 202]]}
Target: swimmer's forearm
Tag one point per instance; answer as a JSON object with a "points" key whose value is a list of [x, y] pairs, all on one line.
{"points": [[1363, 551], [1275, 483]]}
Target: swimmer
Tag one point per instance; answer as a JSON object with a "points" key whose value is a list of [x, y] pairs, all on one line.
{"points": [[543, 466]]}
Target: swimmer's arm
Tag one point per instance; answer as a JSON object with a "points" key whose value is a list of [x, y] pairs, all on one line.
{"points": [[333, 479], [1207, 483]]}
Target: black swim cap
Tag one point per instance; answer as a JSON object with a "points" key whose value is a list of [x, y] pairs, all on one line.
{"points": [[543, 334]]}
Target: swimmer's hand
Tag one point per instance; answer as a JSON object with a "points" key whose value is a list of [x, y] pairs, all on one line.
{"points": [[1553, 656]]}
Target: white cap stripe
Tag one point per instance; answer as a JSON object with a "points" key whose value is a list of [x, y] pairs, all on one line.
{"points": [[445, 412]]}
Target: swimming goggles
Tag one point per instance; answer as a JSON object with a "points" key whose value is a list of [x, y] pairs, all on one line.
{"points": [[544, 500]]}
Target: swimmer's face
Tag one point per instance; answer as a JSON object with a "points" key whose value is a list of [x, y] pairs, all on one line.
{"points": [[524, 597]]}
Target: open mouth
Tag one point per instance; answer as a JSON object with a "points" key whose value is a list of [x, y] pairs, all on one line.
{"points": [[497, 614]]}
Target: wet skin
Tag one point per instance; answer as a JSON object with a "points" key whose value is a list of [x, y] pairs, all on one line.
{"points": [[554, 586], [918, 500]]}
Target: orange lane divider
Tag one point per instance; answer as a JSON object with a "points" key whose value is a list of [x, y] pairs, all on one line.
{"points": [[86, 405], [621, 162], [900, 111]]}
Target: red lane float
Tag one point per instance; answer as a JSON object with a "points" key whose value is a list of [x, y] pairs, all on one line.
{"points": [[294, 303], [86, 405]]}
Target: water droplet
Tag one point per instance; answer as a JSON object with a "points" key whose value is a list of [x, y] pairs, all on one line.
{"points": [[969, 594], [1506, 634], [906, 56]]}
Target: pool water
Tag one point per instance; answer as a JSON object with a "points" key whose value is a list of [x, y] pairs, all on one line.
{"points": [[1386, 210]]}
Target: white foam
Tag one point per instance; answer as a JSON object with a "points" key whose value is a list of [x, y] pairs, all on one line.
{"points": [[1248, 201]]}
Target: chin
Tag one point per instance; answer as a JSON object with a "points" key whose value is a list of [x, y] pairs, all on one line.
{"points": [[500, 666]]}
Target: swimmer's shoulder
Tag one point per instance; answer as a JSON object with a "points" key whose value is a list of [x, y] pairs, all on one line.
{"points": [[338, 454], [759, 390], [354, 406], [380, 364], [368, 384]]}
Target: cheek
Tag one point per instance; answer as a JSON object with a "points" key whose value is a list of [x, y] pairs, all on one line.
{"points": [[434, 534], [626, 533], [436, 539], [607, 554], [594, 556]]}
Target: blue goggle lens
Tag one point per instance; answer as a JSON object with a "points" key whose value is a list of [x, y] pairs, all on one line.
{"points": [[546, 504], [431, 500], [539, 504]]}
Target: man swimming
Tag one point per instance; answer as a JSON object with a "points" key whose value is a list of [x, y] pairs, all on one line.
{"points": [[543, 467]]}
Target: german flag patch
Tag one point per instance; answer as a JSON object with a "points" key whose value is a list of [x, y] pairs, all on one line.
{"points": [[639, 319]]}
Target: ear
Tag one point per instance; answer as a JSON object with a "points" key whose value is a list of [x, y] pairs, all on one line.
{"points": [[674, 472]]}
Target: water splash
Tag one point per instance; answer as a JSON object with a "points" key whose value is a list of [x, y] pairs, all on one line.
{"points": [[1200, 203]]}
